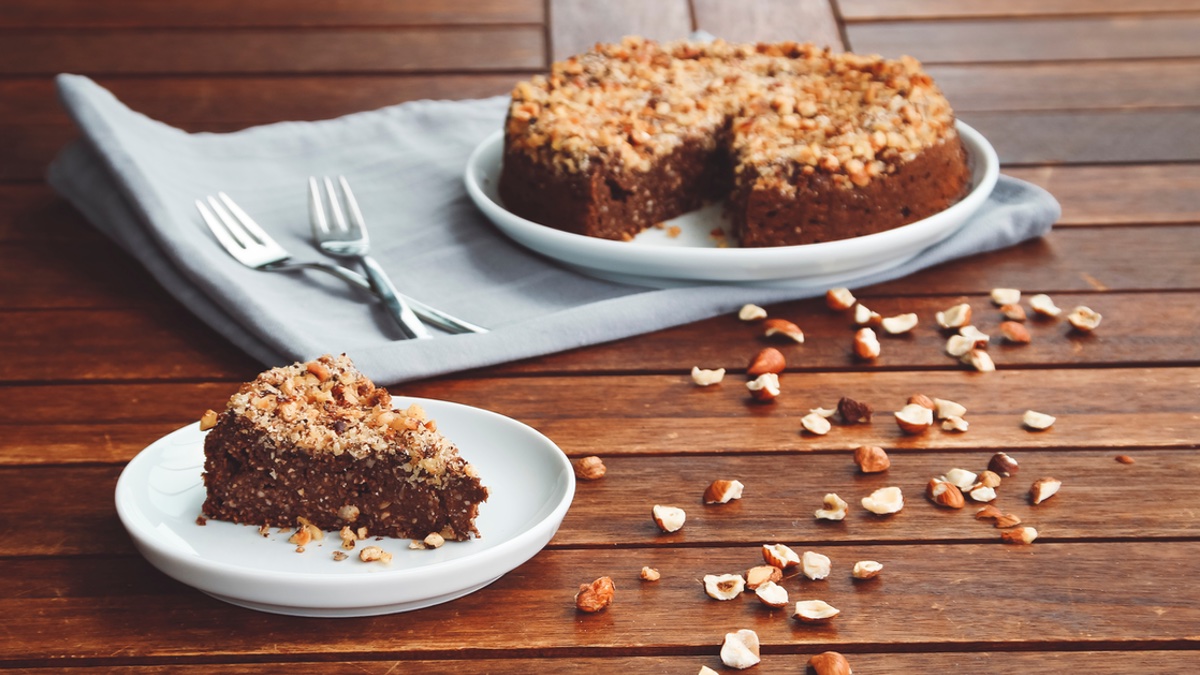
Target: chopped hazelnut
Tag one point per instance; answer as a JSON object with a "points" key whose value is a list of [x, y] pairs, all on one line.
{"points": [[596, 596], [590, 468]]}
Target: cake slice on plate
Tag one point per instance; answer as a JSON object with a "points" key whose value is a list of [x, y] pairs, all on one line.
{"points": [[320, 441]]}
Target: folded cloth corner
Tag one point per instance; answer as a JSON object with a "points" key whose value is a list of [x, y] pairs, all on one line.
{"points": [[136, 180]]}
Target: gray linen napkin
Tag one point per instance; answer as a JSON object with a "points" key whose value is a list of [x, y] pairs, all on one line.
{"points": [[136, 179]]}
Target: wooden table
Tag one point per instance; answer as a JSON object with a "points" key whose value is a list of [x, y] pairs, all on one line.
{"points": [[1097, 101]]}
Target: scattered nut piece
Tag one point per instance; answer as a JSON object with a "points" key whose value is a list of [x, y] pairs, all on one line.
{"points": [[769, 360], [839, 299], [752, 313], [884, 501], [1003, 464], [944, 408], [944, 493], [863, 316], [1125, 459], [1043, 489], [348, 538], [854, 412], [961, 478], [783, 328], [705, 670], [596, 596], [815, 611], [815, 566], [1084, 319], [1013, 312], [989, 478], [824, 412], [780, 555], [374, 554], [721, 491], [417, 545], [740, 649], [434, 540], [829, 663], [339, 556], [866, 569], [979, 360], [957, 345], [835, 508], [914, 419], [866, 344], [705, 377], [1005, 296], [899, 324], [724, 586], [650, 574], [757, 576], [590, 468], [1007, 520], [988, 513], [815, 424], [955, 423], [1019, 535], [668, 518], [1042, 304], [980, 338], [1037, 421], [208, 420], [772, 595], [922, 400], [871, 459], [981, 493], [764, 388], [1015, 332], [955, 317]]}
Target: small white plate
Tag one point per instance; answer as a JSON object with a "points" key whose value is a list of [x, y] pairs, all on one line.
{"points": [[530, 483], [693, 257]]}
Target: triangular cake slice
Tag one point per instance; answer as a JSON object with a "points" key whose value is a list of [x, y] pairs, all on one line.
{"points": [[320, 441]]}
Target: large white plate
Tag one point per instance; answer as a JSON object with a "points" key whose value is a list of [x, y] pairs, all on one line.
{"points": [[655, 259], [530, 484]]}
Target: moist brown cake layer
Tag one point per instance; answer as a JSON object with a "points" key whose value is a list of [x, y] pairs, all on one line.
{"points": [[820, 211], [253, 480]]}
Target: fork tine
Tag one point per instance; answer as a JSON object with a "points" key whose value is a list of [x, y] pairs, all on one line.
{"points": [[248, 223], [335, 208], [356, 217], [316, 211], [218, 229], [244, 239]]}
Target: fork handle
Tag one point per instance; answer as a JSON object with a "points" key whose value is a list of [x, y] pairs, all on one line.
{"points": [[409, 324]]}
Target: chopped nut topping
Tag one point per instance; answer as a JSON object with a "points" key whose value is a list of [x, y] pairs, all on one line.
{"points": [[208, 420]]}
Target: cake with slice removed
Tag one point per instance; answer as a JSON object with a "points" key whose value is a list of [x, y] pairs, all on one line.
{"points": [[320, 441]]}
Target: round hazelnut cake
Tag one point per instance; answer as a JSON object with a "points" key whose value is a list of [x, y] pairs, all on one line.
{"points": [[802, 144]]}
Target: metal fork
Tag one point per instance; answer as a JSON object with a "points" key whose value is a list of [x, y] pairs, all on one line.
{"points": [[250, 245], [343, 233]]}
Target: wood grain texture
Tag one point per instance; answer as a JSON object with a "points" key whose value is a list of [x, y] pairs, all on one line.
{"points": [[1052, 137], [857, 10], [770, 21], [576, 25], [935, 586], [84, 14], [1109, 195], [961, 41], [782, 492], [250, 51]]}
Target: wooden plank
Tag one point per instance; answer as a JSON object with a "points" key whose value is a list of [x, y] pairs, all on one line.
{"points": [[576, 25], [1134, 136], [75, 512], [250, 51], [770, 21], [1076, 38], [1031, 663], [1069, 86], [47, 14], [621, 415], [990, 597], [1117, 194], [869, 10]]}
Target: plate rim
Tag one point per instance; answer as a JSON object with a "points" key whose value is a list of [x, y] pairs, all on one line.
{"points": [[749, 261], [527, 540]]}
